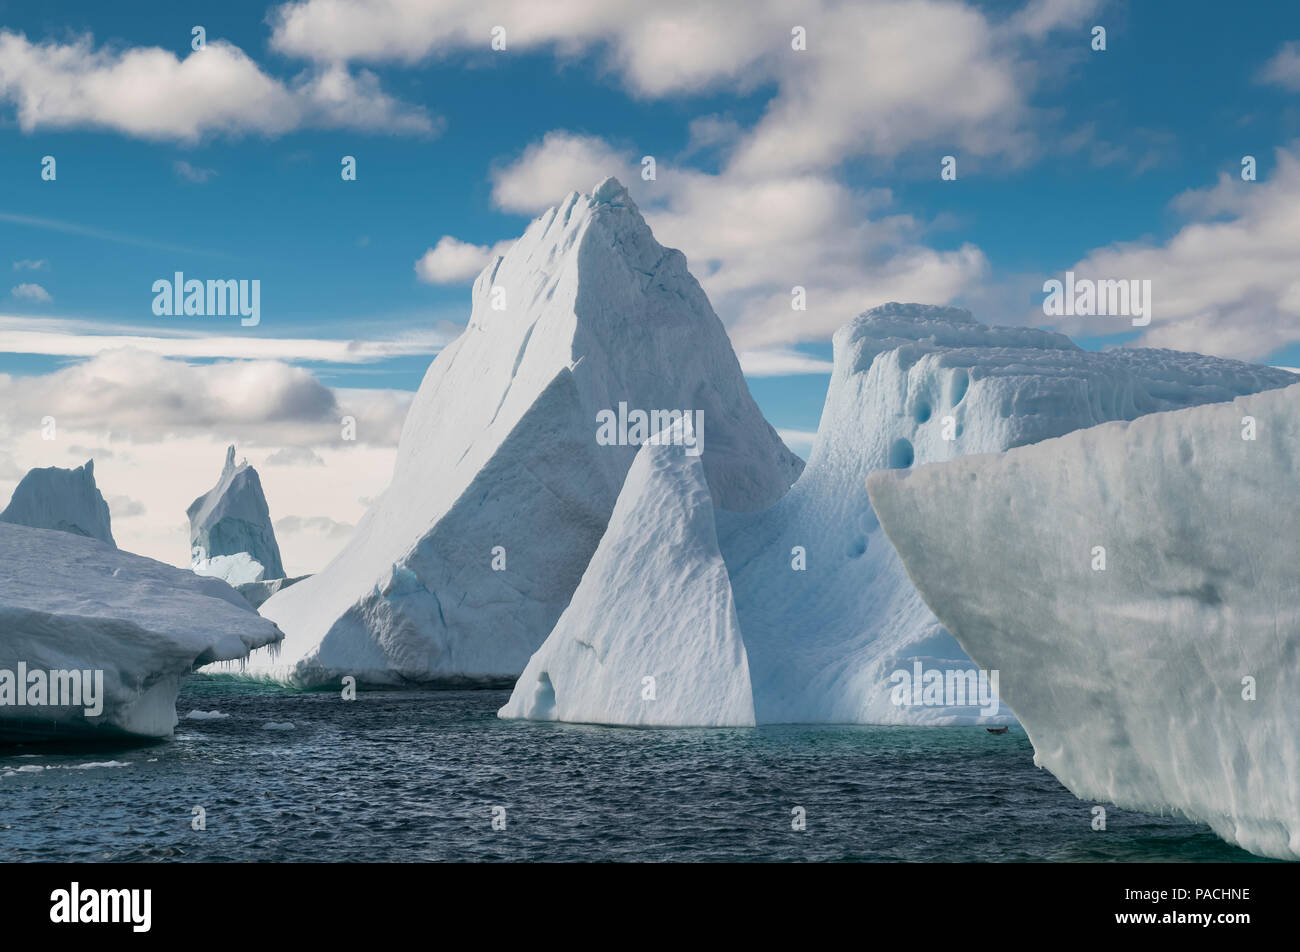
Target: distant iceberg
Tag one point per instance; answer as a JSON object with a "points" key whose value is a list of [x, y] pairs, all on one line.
{"points": [[66, 500], [1137, 586], [231, 536]]}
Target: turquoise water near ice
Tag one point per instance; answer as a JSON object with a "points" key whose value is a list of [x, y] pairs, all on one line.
{"points": [[415, 775]]}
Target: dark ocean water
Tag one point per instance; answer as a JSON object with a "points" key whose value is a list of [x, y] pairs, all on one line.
{"points": [[410, 776]]}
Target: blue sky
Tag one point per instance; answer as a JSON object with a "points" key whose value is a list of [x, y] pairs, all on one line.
{"points": [[1172, 97], [1123, 162]]}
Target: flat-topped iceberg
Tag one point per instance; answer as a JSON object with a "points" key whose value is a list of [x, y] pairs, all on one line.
{"points": [[586, 336], [1136, 584], [123, 629]]}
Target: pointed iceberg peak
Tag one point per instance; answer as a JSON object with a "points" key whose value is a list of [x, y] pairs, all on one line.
{"points": [[230, 528], [66, 500], [586, 318], [610, 191]]}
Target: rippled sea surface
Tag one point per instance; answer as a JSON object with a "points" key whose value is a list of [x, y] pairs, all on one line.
{"points": [[415, 775]]}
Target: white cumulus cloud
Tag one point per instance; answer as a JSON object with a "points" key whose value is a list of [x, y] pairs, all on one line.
{"points": [[136, 394], [1283, 69], [751, 239], [876, 77], [452, 261], [150, 93], [1226, 283], [559, 163], [158, 429]]}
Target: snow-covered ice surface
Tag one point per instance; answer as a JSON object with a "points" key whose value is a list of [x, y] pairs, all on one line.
{"points": [[232, 520], [63, 499], [68, 602], [235, 570], [673, 655], [823, 642], [499, 452], [1130, 679]]}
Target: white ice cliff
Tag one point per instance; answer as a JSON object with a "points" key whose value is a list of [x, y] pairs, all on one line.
{"points": [[69, 603], [63, 499], [501, 490], [231, 536], [671, 656], [1136, 584], [827, 615]]}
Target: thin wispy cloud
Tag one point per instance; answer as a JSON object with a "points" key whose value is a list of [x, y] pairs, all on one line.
{"points": [[1283, 69], [192, 173], [781, 362], [64, 338], [86, 231], [31, 292]]}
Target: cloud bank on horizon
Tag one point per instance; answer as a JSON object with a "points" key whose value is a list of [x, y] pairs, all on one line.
{"points": [[790, 150]]}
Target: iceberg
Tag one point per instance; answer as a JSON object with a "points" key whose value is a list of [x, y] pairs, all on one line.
{"points": [[63, 499], [1136, 585], [134, 626], [231, 536], [671, 657], [258, 591], [507, 472], [912, 385], [830, 623], [235, 570]]}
